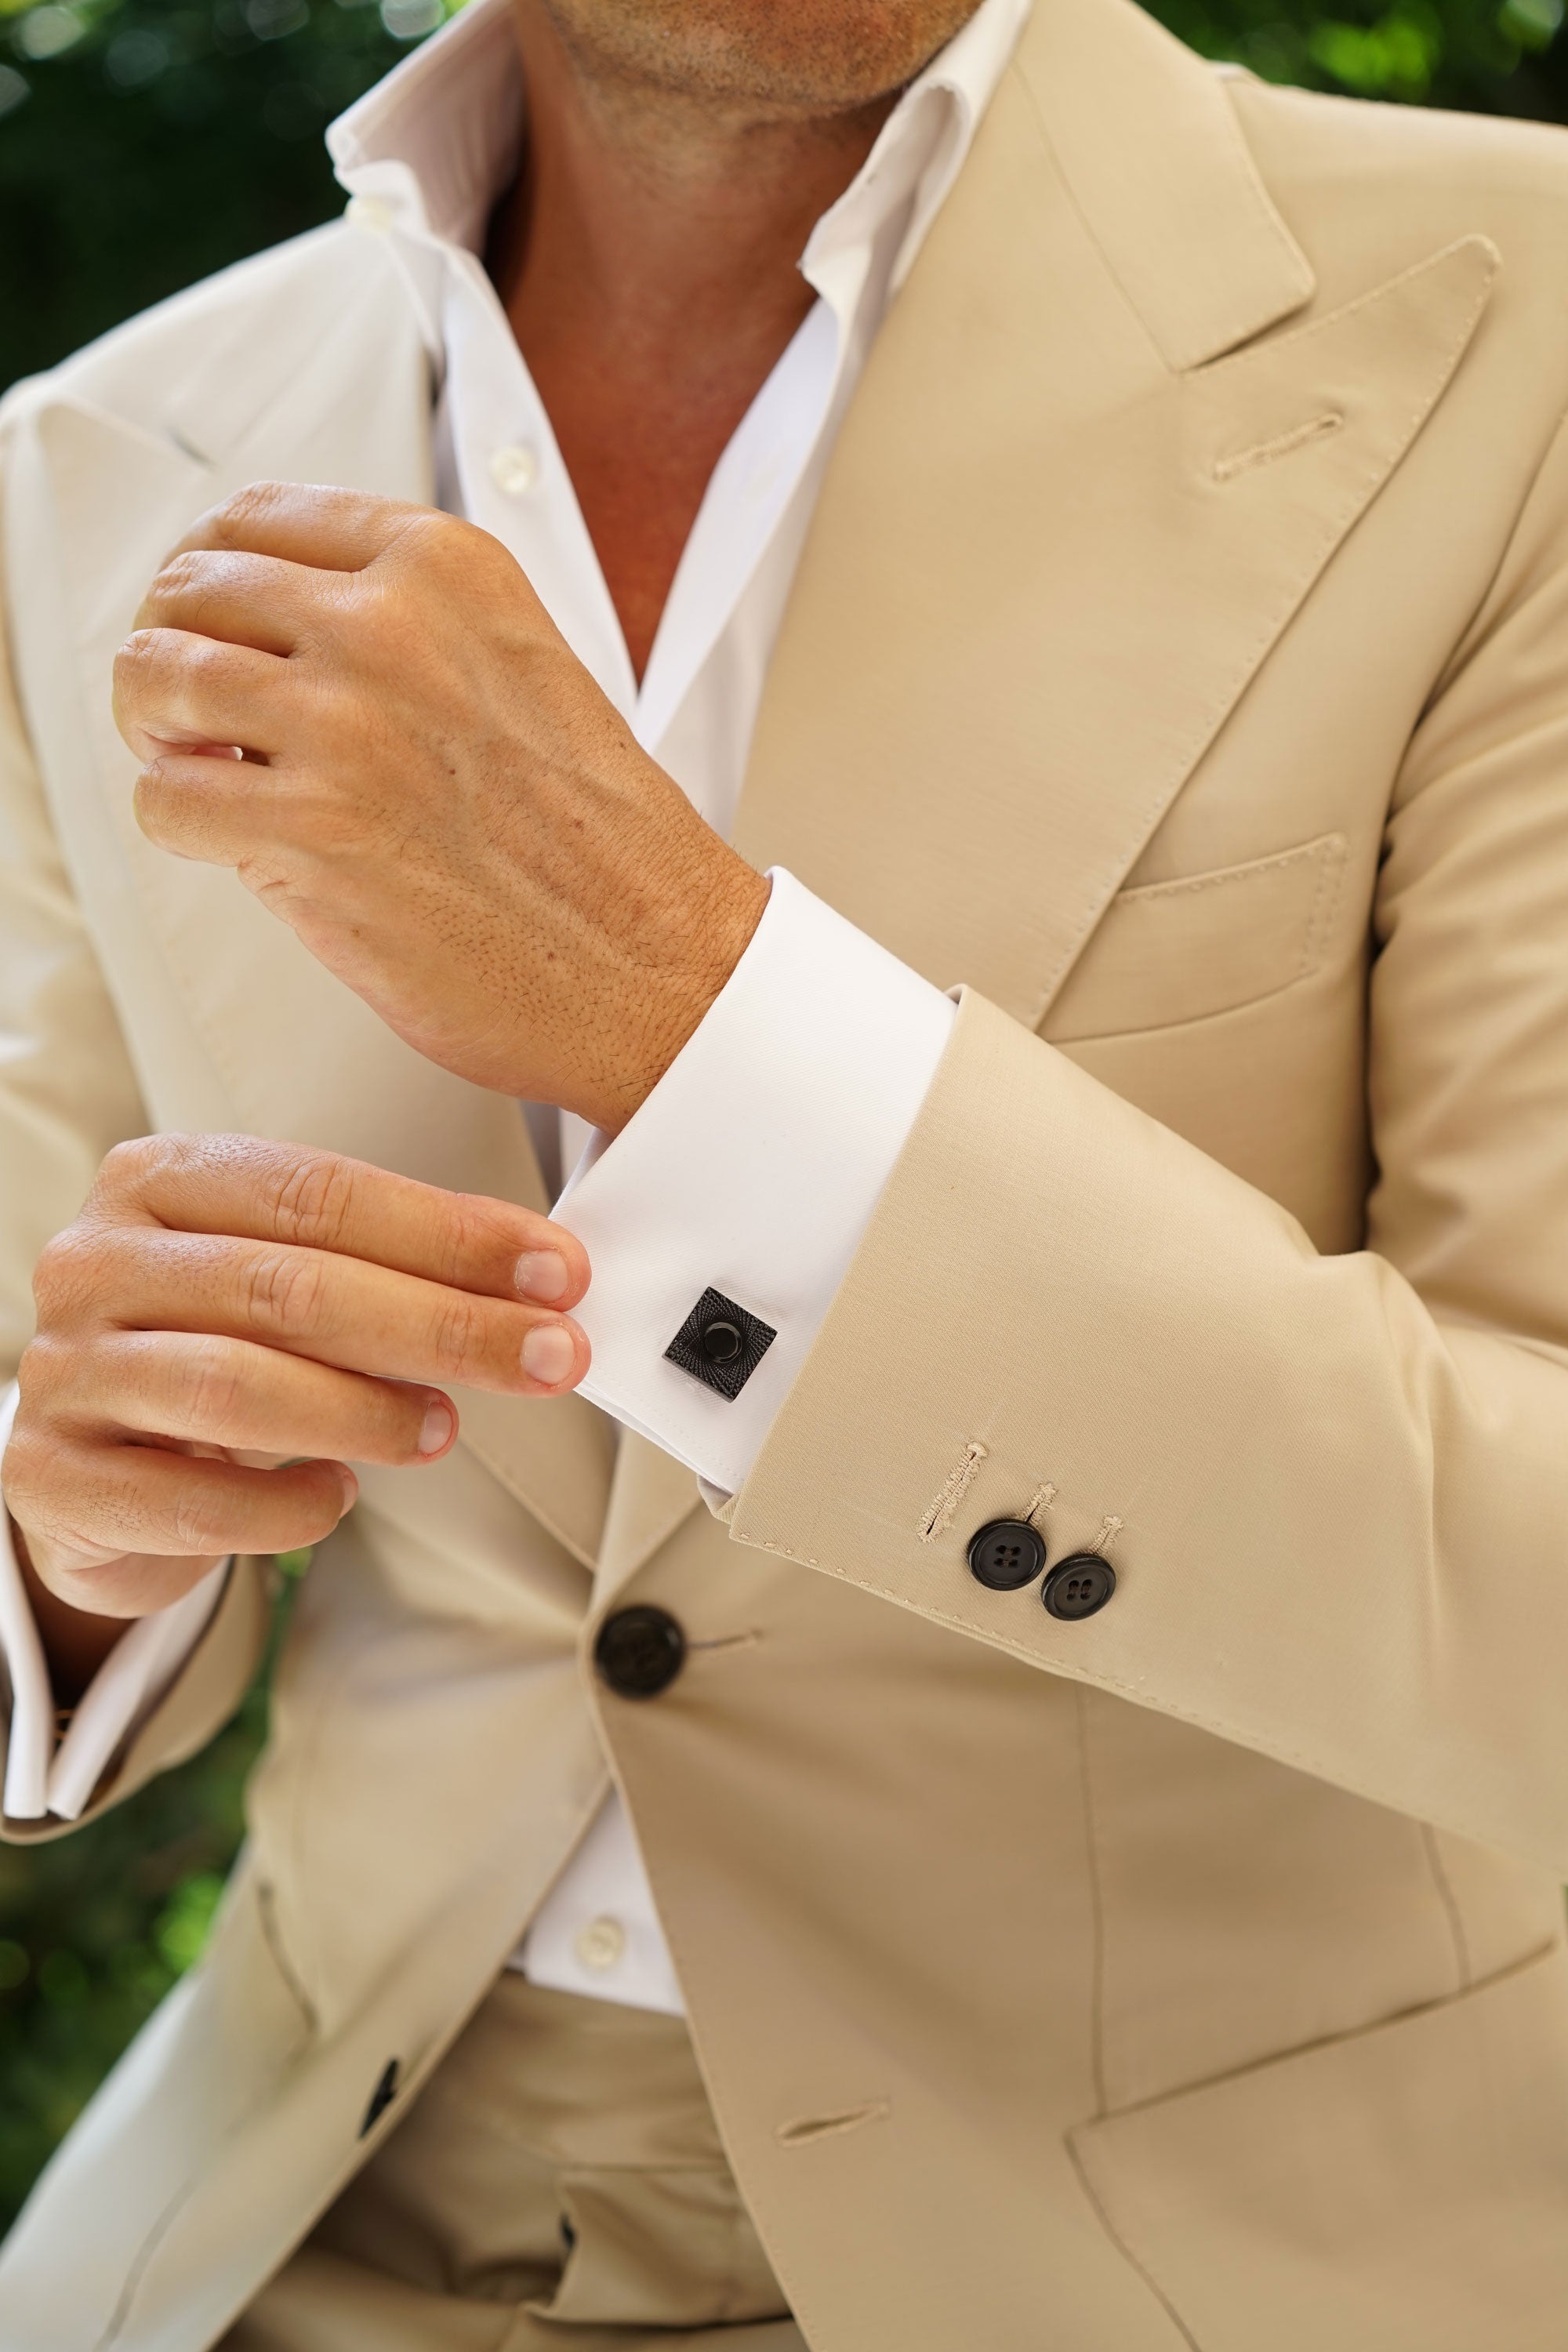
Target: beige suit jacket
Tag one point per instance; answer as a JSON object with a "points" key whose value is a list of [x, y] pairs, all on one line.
{"points": [[1180, 661]]}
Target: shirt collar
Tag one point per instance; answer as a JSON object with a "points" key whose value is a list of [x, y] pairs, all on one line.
{"points": [[432, 146]]}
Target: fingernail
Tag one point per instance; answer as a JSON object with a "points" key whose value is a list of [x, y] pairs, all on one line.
{"points": [[542, 1273], [549, 1353], [439, 1421], [351, 1486]]}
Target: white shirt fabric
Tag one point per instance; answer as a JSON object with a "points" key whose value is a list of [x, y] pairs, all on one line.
{"points": [[754, 1165]]}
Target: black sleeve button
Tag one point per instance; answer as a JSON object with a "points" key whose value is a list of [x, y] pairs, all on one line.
{"points": [[1006, 1555], [639, 1652], [1079, 1586]]}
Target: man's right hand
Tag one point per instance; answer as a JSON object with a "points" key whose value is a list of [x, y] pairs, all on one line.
{"points": [[221, 1297]]}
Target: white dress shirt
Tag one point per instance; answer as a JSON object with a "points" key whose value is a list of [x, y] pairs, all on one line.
{"points": [[754, 1165]]}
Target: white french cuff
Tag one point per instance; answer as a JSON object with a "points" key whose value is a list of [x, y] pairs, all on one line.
{"points": [[42, 1778], [751, 1170]]}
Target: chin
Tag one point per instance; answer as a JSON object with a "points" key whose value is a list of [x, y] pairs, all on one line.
{"points": [[811, 54]]}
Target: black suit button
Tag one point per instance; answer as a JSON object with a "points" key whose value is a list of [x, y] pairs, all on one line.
{"points": [[1007, 1554], [1078, 1586], [639, 1652]]}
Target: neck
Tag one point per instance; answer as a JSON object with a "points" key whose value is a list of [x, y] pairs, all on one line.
{"points": [[669, 210], [646, 259]]}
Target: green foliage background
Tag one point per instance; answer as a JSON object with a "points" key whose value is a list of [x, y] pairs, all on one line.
{"points": [[96, 1927], [146, 143], [143, 143]]}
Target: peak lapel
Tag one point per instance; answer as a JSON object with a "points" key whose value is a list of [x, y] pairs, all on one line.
{"points": [[233, 1023], [1046, 564]]}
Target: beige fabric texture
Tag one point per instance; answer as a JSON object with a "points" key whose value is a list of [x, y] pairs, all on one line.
{"points": [[558, 2182], [1179, 663]]}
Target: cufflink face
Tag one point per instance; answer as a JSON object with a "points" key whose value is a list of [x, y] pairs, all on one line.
{"points": [[720, 1344]]}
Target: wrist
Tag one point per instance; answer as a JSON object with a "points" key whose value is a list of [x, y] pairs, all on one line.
{"points": [[713, 934]]}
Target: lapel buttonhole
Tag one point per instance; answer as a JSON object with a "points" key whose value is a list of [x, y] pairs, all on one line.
{"points": [[380, 2098], [1283, 445]]}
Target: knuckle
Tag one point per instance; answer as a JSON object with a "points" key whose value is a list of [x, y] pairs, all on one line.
{"points": [[64, 1274], [198, 661], [139, 654], [162, 815], [313, 1195], [24, 1469], [139, 1169], [43, 1377], [177, 574], [212, 1386], [460, 1335], [45, 1499], [126, 1165], [462, 1237], [430, 537], [52, 1271], [201, 1516], [131, 1167], [284, 1290], [229, 522]]}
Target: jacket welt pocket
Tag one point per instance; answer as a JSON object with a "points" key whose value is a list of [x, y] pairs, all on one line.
{"points": [[1400, 2189], [1173, 951]]}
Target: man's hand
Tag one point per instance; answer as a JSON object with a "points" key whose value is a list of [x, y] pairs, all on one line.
{"points": [[433, 794], [220, 1299]]}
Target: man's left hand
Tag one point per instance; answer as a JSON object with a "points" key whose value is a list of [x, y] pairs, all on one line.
{"points": [[365, 710]]}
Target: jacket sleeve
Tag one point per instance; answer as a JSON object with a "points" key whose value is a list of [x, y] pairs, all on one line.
{"points": [[68, 1094], [1334, 1489]]}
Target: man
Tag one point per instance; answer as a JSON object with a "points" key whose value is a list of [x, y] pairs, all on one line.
{"points": [[1091, 1788]]}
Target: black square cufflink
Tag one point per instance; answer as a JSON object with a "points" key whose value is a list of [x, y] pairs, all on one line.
{"points": [[721, 1344]]}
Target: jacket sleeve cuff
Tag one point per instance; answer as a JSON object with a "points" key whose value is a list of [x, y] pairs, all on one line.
{"points": [[1334, 1521], [748, 1176], [41, 1778]]}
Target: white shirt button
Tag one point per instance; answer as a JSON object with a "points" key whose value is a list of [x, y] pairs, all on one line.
{"points": [[515, 469], [600, 1944]]}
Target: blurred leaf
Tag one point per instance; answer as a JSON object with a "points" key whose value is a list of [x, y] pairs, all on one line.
{"points": [[96, 1927], [1534, 22], [180, 1930], [144, 143], [1395, 58]]}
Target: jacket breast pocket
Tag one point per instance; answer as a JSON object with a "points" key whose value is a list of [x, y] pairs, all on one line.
{"points": [[1400, 2189], [1173, 951]]}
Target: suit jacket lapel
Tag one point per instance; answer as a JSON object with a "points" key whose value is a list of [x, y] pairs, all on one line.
{"points": [[233, 1024], [1061, 528], [650, 1494]]}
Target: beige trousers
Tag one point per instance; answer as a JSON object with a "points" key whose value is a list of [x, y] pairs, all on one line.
{"points": [[558, 2183]]}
